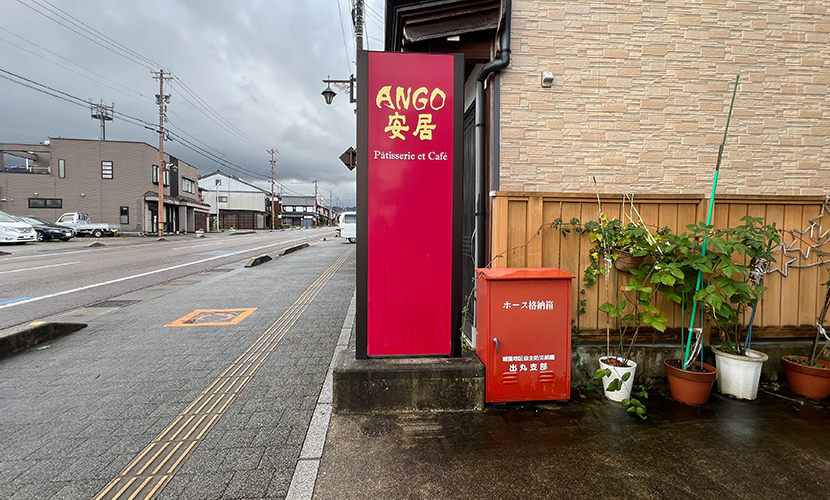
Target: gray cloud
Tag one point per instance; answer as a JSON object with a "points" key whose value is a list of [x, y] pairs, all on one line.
{"points": [[257, 64]]}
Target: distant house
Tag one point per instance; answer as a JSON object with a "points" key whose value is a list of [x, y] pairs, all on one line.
{"points": [[305, 211], [235, 203], [114, 181]]}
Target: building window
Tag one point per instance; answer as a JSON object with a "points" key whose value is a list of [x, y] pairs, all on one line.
{"points": [[125, 215], [61, 168], [188, 186], [222, 199], [45, 203], [156, 176], [106, 170]]}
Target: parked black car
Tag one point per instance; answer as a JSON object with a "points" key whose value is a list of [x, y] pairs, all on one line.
{"points": [[46, 230]]}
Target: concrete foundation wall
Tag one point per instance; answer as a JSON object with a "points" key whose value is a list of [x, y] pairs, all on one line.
{"points": [[650, 359]]}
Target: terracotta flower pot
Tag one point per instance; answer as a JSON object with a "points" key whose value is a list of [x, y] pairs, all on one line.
{"points": [[807, 380], [690, 387]]}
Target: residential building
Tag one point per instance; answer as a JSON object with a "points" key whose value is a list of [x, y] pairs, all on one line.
{"points": [[114, 181], [236, 203], [600, 99], [305, 211]]}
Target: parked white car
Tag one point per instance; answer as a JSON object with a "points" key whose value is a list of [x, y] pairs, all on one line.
{"points": [[14, 231], [348, 226]]}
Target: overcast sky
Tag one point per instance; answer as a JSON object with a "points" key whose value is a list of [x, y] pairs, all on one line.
{"points": [[258, 65]]}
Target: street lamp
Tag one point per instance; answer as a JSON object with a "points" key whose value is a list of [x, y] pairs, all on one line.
{"points": [[329, 93]]}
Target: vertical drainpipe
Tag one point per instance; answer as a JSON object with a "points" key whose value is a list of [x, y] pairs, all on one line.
{"points": [[499, 63]]}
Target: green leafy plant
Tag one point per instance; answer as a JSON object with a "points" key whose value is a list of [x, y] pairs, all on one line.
{"points": [[636, 407], [610, 239], [631, 404], [732, 268]]}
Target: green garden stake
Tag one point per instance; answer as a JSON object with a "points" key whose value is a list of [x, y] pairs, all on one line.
{"points": [[686, 360]]}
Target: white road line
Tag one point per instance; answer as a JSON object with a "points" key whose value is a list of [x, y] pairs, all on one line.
{"points": [[126, 278], [39, 267], [18, 257]]}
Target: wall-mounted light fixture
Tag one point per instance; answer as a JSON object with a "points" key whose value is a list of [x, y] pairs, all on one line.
{"points": [[35, 194], [547, 79], [328, 93], [82, 195]]}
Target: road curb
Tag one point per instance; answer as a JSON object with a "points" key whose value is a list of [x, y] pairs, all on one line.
{"points": [[21, 338], [292, 249], [261, 259]]}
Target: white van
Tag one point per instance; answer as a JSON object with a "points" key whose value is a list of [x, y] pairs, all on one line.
{"points": [[348, 226]]}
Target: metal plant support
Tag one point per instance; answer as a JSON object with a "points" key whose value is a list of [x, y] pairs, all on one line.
{"points": [[687, 359]]}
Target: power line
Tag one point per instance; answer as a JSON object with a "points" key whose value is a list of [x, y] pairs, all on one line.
{"points": [[103, 36], [45, 89], [130, 58], [73, 63], [225, 163], [138, 59], [371, 10], [291, 167], [71, 23], [224, 127], [345, 43], [216, 151], [239, 133]]}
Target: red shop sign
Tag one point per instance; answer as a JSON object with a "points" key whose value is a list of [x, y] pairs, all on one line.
{"points": [[410, 113]]}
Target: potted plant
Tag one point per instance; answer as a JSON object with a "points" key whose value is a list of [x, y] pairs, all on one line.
{"points": [[680, 260], [810, 375], [727, 276], [627, 244], [634, 311], [739, 259]]}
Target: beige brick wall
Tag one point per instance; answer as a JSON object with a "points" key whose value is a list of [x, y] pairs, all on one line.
{"points": [[642, 91]]}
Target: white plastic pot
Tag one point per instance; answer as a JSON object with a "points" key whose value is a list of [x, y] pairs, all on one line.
{"points": [[617, 372], [738, 376]]}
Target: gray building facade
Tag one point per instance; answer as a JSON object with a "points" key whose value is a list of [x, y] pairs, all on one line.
{"points": [[113, 181]]}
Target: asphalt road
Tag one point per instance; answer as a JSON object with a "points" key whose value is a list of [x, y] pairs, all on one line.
{"points": [[42, 279]]}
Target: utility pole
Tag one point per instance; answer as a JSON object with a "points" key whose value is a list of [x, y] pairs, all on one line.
{"points": [[316, 217], [103, 113], [162, 100], [273, 213], [358, 23], [331, 210]]}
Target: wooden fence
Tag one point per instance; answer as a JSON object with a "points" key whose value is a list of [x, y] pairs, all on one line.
{"points": [[521, 236]]}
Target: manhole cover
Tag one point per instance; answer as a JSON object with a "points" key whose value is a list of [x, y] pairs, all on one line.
{"points": [[213, 317]]}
